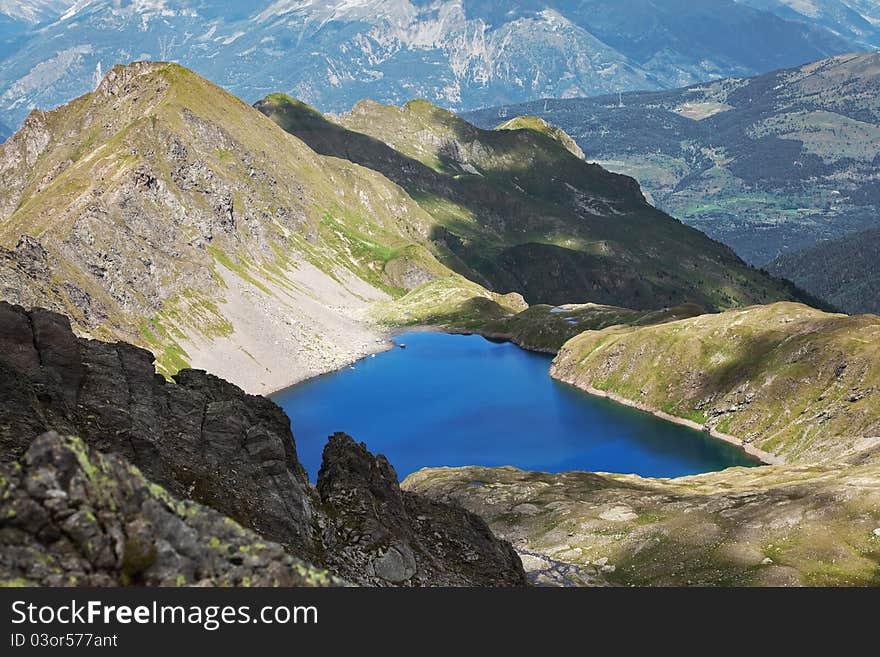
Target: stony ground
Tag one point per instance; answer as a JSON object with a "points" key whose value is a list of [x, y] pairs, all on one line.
{"points": [[771, 526]]}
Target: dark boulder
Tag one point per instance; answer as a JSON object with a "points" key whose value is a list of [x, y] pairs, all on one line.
{"points": [[394, 537], [202, 439]]}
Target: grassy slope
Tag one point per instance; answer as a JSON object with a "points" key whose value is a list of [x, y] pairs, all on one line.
{"points": [[162, 242], [515, 210], [539, 125], [789, 379]]}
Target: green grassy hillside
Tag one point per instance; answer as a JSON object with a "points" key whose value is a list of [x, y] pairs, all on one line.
{"points": [[788, 379], [516, 211], [539, 125]]}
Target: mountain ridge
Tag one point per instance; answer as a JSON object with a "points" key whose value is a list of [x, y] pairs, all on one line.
{"points": [[765, 164], [569, 231], [457, 53], [164, 211]]}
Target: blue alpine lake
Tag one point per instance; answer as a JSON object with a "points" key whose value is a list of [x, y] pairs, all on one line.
{"points": [[452, 400]]}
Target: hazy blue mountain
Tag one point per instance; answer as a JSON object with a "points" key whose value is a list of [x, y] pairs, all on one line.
{"points": [[844, 272], [856, 20], [457, 53], [767, 165]]}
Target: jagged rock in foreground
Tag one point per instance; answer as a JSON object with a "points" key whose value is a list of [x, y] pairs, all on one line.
{"points": [[396, 536], [72, 516], [201, 438], [816, 525], [205, 440]]}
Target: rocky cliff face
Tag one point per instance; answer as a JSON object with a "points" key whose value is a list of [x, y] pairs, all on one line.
{"points": [[205, 440], [200, 438], [72, 516]]}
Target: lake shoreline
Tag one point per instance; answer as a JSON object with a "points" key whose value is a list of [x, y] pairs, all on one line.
{"points": [[766, 458], [313, 424], [388, 344]]}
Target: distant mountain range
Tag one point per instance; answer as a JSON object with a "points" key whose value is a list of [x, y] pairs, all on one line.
{"points": [[460, 54], [768, 164], [844, 271]]}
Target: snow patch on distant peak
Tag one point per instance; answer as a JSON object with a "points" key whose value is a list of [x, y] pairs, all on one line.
{"points": [[806, 8], [333, 10], [74, 9], [142, 8], [33, 11]]}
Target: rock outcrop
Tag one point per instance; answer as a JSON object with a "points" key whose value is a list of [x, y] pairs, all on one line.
{"points": [[205, 440], [394, 536], [72, 516], [200, 438]]}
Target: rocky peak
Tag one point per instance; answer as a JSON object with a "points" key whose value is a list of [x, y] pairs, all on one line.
{"points": [[150, 189], [33, 257], [123, 78]]}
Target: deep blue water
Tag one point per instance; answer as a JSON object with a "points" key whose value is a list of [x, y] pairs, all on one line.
{"points": [[464, 400]]}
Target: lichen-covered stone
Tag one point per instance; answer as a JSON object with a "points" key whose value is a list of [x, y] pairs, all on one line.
{"points": [[766, 526], [70, 515]]}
